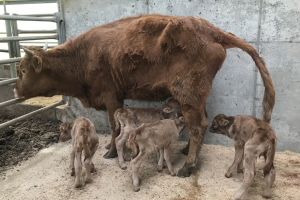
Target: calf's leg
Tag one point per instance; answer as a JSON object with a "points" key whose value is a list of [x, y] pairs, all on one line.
{"points": [[239, 146], [167, 150], [87, 164], [160, 160], [72, 162], [78, 169], [120, 144]]}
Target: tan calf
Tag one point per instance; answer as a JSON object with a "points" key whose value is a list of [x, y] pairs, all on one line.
{"points": [[84, 138], [252, 137], [128, 119], [147, 138]]}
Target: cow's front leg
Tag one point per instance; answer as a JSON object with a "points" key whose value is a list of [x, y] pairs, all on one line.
{"points": [[196, 122], [111, 108]]}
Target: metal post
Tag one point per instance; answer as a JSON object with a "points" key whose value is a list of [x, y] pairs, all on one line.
{"points": [[14, 26]]}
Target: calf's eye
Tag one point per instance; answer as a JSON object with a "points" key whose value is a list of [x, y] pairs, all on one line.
{"points": [[23, 71]]}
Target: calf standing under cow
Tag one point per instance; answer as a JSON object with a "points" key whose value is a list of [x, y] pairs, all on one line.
{"points": [[128, 119], [252, 137], [147, 138], [84, 138]]}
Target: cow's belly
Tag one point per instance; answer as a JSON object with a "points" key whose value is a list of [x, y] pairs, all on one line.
{"points": [[149, 92]]}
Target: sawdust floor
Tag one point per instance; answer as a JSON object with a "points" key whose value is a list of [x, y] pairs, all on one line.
{"points": [[47, 176]]}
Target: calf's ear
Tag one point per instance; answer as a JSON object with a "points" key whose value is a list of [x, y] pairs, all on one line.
{"points": [[224, 122], [167, 110]]}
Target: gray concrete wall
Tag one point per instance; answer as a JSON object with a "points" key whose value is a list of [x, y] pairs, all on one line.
{"points": [[272, 26]]}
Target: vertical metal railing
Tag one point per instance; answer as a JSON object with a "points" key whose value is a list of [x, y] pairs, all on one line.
{"points": [[13, 38]]}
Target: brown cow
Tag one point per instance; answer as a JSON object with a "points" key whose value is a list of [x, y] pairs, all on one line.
{"points": [[252, 137], [84, 138], [146, 57], [147, 138], [128, 119]]}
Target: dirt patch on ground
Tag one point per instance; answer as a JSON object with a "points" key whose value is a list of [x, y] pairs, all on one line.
{"points": [[24, 139], [47, 175]]}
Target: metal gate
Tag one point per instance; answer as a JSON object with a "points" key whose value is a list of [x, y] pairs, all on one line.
{"points": [[13, 40]]}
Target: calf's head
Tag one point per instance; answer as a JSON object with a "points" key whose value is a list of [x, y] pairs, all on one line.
{"points": [[65, 131], [172, 109], [33, 79], [220, 125]]}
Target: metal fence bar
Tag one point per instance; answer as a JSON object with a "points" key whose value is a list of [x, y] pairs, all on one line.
{"points": [[4, 50], [26, 18], [10, 60], [8, 39], [10, 102], [37, 15], [9, 81], [36, 31], [11, 122]]}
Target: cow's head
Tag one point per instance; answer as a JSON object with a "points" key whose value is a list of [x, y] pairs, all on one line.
{"points": [[65, 131], [33, 79], [220, 125]]}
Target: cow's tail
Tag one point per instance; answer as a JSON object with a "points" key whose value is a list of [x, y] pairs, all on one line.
{"points": [[270, 157], [133, 144], [85, 134], [229, 40]]}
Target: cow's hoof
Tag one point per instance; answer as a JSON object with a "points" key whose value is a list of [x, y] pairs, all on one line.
{"points": [[107, 146], [228, 175], [185, 150], [136, 188], [185, 171], [111, 154]]}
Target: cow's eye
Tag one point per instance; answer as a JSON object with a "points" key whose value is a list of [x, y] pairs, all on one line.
{"points": [[23, 71]]}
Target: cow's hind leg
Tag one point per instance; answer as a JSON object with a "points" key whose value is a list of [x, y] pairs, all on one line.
{"points": [[192, 117]]}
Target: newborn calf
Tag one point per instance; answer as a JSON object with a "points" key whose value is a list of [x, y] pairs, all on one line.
{"points": [[252, 137], [147, 138], [84, 138], [128, 119]]}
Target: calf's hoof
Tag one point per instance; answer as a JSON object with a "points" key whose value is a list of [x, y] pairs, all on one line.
{"points": [[159, 169], [240, 171], [173, 174], [77, 184], [107, 146], [136, 188], [88, 180], [267, 194], [228, 175], [124, 167], [73, 172], [92, 168], [112, 153], [185, 150]]}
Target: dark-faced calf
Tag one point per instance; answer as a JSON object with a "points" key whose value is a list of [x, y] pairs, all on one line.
{"points": [[84, 138], [128, 119], [252, 137], [147, 138]]}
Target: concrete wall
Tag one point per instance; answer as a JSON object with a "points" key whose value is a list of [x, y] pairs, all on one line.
{"points": [[272, 26]]}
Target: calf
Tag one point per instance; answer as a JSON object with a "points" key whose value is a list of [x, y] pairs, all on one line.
{"points": [[149, 137], [252, 137], [84, 138], [128, 119]]}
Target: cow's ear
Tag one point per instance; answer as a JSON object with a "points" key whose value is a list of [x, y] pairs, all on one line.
{"points": [[167, 110], [38, 65], [225, 122]]}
